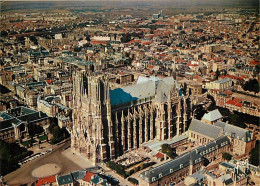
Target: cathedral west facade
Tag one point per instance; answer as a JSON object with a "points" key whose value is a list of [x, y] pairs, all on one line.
{"points": [[109, 122]]}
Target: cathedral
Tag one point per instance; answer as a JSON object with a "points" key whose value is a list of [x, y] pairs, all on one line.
{"points": [[109, 122]]}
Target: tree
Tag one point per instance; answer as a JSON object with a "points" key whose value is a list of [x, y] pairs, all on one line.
{"points": [[165, 148], [226, 156], [217, 73], [126, 38], [10, 155], [77, 49], [199, 112], [254, 155], [236, 120], [34, 40], [212, 106], [3, 33], [251, 85], [133, 180]]}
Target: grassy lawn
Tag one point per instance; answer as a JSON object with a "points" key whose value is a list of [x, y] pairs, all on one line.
{"points": [[43, 137], [25, 143]]}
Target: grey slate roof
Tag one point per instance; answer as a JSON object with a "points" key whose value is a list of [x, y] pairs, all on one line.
{"points": [[18, 111], [212, 115], [144, 88], [66, 179], [238, 132], [78, 174], [5, 116], [213, 145], [203, 128], [195, 156], [223, 80], [155, 146], [153, 174], [18, 115]]}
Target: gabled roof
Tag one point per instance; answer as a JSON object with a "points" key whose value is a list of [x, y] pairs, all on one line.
{"points": [[155, 173], [46, 180], [88, 176], [20, 111], [205, 129], [159, 155], [5, 116], [96, 179], [78, 174], [212, 115], [237, 132], [144, 88], [213, 145], [223, 80], [234, 102], [66, 179]]}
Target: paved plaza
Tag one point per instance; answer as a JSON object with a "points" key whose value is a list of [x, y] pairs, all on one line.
{"points": [[23, 175]]}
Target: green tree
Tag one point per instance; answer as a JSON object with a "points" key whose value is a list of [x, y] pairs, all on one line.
{"points": [[251, 85], [77, 49], [236, 120], [166, 148], [255, 155], [4, 33], [226, 156], [34, 40], [217, 73], [126, 38], [133, 180], [10, 154]]}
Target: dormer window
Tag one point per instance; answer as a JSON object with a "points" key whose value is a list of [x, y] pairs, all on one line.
{"points": [[160, 175], [181, 165], [153, 178], [171, 170]]}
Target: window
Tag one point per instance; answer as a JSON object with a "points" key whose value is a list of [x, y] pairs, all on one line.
{"points": [[181, 165], [153, 178], [160, 175], [171, 170]]}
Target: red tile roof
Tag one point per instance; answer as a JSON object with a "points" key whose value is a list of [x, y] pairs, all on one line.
{"points": [[254, 63], [147, 43], [88, 176], [46, 180], [98, 42], [159, 155], [234, 102], [49, 81], [135, 41]]}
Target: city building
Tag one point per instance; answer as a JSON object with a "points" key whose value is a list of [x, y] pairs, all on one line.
{"points": [[124, 118], [20, 122], [222, 84], [174, 171]]}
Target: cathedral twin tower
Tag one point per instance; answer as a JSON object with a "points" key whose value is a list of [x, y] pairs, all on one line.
{"points": [[106, 122]]}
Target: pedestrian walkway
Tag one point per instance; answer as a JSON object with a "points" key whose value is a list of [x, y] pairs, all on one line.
{"points": [[77, 158]]}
